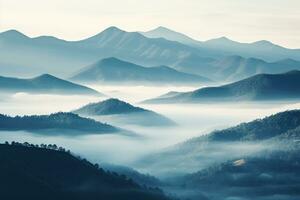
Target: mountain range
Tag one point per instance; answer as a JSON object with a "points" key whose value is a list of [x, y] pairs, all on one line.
{"points": [[120, 111], [113, 70], [234, 68], [64, 58], [44, 84], [256, 88], [262, 49]]}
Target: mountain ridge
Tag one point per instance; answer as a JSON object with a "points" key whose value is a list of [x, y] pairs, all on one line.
{"points": [[44, 84], [283, 86], [115, 70]]}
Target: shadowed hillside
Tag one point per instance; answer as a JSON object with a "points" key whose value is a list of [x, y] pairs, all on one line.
{"points": [[57, 122], [265, 87], [30, 172]]}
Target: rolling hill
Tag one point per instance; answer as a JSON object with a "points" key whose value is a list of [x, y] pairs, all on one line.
{"points": [[275, 132], [57, 123], [113, 70], [44, 84], [124, 112], [256, 88]]}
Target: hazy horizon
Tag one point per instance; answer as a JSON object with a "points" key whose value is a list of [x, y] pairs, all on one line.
{"points": [[202, 20]]}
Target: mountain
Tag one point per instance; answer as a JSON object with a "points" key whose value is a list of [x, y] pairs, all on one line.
{"points": [[261, 176], [233, 68], [245, 139], [168, 34], [262, 49], [113, 70], [56, 123], [256, 88], [141, 179], [124, 112], [32, 172], [63, 58], [46, 84]]}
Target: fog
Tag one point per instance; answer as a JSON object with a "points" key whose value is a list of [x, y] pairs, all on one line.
{"points": [[193, 120]]}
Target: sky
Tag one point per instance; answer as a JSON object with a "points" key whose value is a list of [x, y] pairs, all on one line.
{"points": [[242, 20]]}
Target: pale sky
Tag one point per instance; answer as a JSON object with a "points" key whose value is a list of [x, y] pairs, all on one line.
{"points": [[241, 20]]}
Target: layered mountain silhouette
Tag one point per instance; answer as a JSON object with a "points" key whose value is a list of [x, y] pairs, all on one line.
{"points": [[57, 123], [256, 88], [63, 58], [234, 68], [166, 33], [124, 112], [33, 172], [46, 84], [262, 49], [269, 172], [113, 70], [276, 132], [262, 176]]}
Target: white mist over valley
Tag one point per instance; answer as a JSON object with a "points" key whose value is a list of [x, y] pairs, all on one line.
{"points": [[192, 120]]}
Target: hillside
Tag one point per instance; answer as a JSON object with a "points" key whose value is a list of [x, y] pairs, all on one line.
{"points": [[222, 145], [32, 172], [57, 123], [124, 112], [113, 70], [271, 87], [260, 176], [44, 84]]}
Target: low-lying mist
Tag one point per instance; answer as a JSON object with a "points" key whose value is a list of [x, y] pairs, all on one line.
{"points": [[193, 120]]}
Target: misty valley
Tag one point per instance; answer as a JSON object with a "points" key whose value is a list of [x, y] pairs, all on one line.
{"points": [[148, 116]]}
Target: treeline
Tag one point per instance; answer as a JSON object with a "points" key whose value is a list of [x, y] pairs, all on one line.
{"points": [[113, 175], [60, 120], [42, 146]]}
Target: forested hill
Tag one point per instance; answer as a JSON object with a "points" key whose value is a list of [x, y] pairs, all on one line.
{"points": [[47, 172]]}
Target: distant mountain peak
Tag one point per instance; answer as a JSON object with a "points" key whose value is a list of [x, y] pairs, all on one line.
{"points": [[168, 34], [113, 29], [264, 43], [222, 39], [162, 28], [108, 32], [13, 34], [45, 77]]}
